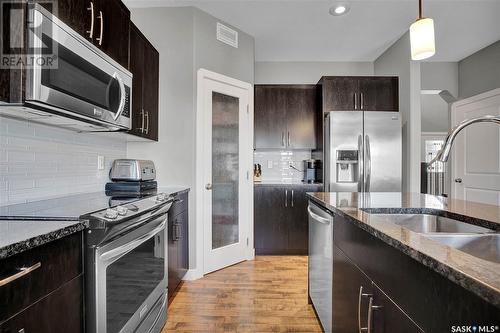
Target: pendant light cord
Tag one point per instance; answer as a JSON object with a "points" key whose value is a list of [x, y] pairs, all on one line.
{"points": [[419, 9]]}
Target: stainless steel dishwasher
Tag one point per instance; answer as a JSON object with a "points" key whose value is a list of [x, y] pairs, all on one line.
{"points": [[321, 263]]}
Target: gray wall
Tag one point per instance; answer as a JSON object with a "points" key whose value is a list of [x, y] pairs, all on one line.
{"points": [[434, 114], [268, 72], [185, 37], [479, 72], [396, 61]]}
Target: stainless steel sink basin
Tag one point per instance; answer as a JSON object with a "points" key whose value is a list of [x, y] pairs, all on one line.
{"points": [[484, 246], [425, 223]]}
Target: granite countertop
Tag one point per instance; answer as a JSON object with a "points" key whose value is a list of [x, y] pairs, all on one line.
{"points": [[17, 236], [474, 274]]}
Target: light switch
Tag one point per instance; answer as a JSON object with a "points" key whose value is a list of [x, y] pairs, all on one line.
{"points": [[100, 162]]}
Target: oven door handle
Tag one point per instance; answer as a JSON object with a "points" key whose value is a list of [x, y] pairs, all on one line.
{"points": [[123, 92], [116, 252]]}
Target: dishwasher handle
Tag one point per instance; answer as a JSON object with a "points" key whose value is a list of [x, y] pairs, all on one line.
{"points": [[316, 217]]}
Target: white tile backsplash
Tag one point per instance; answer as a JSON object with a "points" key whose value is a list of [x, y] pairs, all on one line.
{"points": [[38, 161], [280, 162]]}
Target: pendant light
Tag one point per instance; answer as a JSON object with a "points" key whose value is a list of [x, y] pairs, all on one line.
{"points": [[422, 37]]}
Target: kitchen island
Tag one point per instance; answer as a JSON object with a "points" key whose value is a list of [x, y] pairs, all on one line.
{"points": [[391, 275]]}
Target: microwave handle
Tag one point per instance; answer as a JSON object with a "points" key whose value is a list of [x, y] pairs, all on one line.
{"points": [[121, 106]]}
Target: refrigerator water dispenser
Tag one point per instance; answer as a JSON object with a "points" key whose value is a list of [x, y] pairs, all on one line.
{"points": [[347, 166]]}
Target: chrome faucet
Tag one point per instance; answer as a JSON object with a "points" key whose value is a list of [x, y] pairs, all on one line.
{"points": [[444, 153]]}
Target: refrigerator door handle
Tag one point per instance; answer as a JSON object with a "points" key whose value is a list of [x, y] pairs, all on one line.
{"points": [[368, 163], [360, 164]]}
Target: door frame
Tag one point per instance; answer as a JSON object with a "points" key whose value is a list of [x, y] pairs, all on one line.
{"points": [[202, 75], [453, 123]]}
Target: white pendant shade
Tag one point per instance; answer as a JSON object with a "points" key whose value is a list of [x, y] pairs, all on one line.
{"points": [[422, 39]]}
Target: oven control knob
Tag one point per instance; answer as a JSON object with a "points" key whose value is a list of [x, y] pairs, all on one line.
{"points": [[122, 210], [111, 214], [161, 197]]}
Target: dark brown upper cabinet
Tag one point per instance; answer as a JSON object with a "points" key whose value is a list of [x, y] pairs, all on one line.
{"points": [[360, 93], [105, 23], [144, 65], [285, 117]]}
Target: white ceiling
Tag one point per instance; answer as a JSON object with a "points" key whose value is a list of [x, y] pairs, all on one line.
{"points": [[303, 30]]}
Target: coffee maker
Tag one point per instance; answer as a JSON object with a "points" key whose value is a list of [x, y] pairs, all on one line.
{"points": [[312, 171]]}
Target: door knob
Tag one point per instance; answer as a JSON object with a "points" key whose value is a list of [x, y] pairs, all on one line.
{"points": [[458, 180], [208, 186]]}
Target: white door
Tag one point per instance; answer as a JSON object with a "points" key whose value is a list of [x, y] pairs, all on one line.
{"points": [[227, 151], [476, 155]]}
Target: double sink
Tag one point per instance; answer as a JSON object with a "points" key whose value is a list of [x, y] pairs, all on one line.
{"points": [[475, 240]]}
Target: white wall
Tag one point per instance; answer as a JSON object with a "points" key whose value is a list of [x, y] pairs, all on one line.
{"points": [[269, 72], [39, 162], [185, 37], [396, 61], [480, 72]]}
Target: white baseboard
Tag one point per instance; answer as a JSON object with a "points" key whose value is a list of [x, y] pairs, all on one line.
{"points": [[192, 274]]}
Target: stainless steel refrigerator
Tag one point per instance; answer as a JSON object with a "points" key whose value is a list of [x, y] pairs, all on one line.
{"points": [[363, 151]]}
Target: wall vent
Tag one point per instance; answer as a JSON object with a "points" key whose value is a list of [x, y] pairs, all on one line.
{"points": [[227, 35]]}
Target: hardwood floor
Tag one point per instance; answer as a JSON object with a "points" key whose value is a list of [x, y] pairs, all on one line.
{"points": [[268, 294]]}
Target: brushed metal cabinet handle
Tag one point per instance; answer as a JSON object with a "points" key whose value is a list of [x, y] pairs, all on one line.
{"points": [[283, 139], [371, 307], [361, 101], [147, 122], [286, 198], [292, 198], [101, 18], [22, 272], [288, 139], [355, 102], [91, 31], [142, 124], [360, 296], [208, 186]]}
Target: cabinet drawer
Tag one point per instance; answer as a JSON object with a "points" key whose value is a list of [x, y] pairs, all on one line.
{"points": [[61, 311], [60, 261], [180, 205]]}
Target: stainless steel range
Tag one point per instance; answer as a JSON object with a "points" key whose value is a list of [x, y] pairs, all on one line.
{"points": [[126, 267]]}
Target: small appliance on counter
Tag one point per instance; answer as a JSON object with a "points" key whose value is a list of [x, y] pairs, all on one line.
{"points": [[131, 177], [311, 171], [257, 173]]}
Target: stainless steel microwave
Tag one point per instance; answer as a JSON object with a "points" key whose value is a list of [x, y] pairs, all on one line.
{"points": [[81, 89]]}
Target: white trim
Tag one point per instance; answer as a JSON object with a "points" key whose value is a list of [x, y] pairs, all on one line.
{"points": [[192, 274], [199, 185], [476, 98], [434, 133]]}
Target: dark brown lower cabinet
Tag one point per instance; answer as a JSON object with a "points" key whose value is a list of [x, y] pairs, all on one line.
{"points": [[178, 245], [60, 311], [280, 218], [50, 297], [405, 295]]}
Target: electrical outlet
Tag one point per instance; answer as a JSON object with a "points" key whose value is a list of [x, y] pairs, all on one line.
{"points": [[100, 162], [269, 164]]}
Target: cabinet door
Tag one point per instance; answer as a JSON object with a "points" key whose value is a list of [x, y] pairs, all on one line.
{"points": [[136, 67], [182, 245], [113, 38], [351, 292], [150, 90], [60, 311], [301, 117], [379, 94], [388, 317], [340, 94], [173, 278], [270, 214], [75, 13], [270, 117]]}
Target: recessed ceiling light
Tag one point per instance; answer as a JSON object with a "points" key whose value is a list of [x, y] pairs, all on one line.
{"points": [[339, 9]]}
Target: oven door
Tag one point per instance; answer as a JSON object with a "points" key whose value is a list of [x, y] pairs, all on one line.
{"points": [[81, 80], [131, 277]]}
